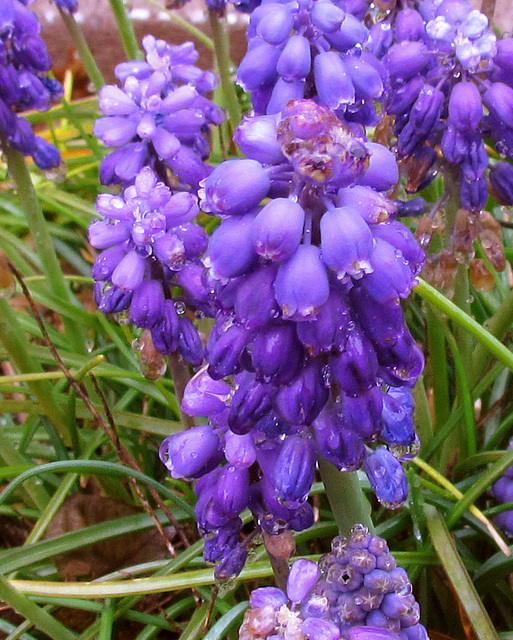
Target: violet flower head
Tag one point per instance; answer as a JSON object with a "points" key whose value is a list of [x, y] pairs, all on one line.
{"points": [[161, 115], [356, 592], [309, 352], [502, 490], [24, 85], [310, 50], [145, 237]]}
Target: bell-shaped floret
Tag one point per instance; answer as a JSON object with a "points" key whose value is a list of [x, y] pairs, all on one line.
{"points": [[336, 442], [333, 83], [382, 173], [391, 276], [465, 107], [387, 478], [278, 229], [346, 242], [277, 353], [192, 453], [204, 396], [355, 368], [302, 285], [303, 398], [328, 330], [230, 252], [294, 470]]}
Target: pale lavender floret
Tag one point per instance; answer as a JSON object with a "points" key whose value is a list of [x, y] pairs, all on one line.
{"points": [[283, 92], [275, 26], [234, 187], [327, 16], [258, 67], [366, 79], [267, 596], [499, 100], [230, 252], [391, 277], [346, 242], [239, 449], [383, 172], [373, 207], [333, 83], [302, 286], [256, 136], [129, 273], [352, 32], [278, 229], [302, 578], [315, 629], [409, 25], [406, 60]]}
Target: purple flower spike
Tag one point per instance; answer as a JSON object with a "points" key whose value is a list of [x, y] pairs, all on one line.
{"points": [[187, 454], [302, 285], [234, 187], [303, 576], [278, 229], [387, 478], [294, 471], [346, 242]]}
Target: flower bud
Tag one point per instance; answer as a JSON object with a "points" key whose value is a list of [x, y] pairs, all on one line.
{"points": [[188, 454], [294, 471], [387, 478]]}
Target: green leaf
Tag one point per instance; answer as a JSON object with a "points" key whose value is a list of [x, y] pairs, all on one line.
{"points": [[456, 572], [227, 622]]}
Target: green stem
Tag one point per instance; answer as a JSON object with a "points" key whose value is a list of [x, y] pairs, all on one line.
{"points": [[345, 494], [422, 413], [438, 366], [45, 249], [15, 346], [126, 30], [490, 342], [83, 49], [222, 52]]}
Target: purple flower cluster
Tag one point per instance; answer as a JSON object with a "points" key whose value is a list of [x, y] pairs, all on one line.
{"points": [[149, 247], [24, 85], [502, 490], [160, 118], [357, 592], [311, 49], [444, 64], [308, 325]]}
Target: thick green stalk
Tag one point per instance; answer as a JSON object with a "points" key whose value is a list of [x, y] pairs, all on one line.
{"points": [[222, 53], [83, 49], [45, 249], [126, 30], [15, 346], [345, 494]]}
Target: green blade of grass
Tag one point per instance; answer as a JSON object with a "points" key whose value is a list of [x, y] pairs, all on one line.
{"points": [[458, 576]]}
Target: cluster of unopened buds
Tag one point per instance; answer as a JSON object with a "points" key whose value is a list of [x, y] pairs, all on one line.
{"points": [[356, 592]]}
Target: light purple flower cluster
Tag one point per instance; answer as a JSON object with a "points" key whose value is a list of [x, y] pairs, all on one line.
{"points": [[356, 593], [308, 325], [24, 85], [502, 490], [160, 118], [149, 247], [311, 49], [444, 64]]}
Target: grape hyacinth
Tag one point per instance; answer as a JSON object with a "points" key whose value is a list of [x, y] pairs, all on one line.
{"points": [[24, 85], [357, 592], [149, 247], [309, 353], [445, 66], [502, 490], [311, 49], [160, 118]]}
